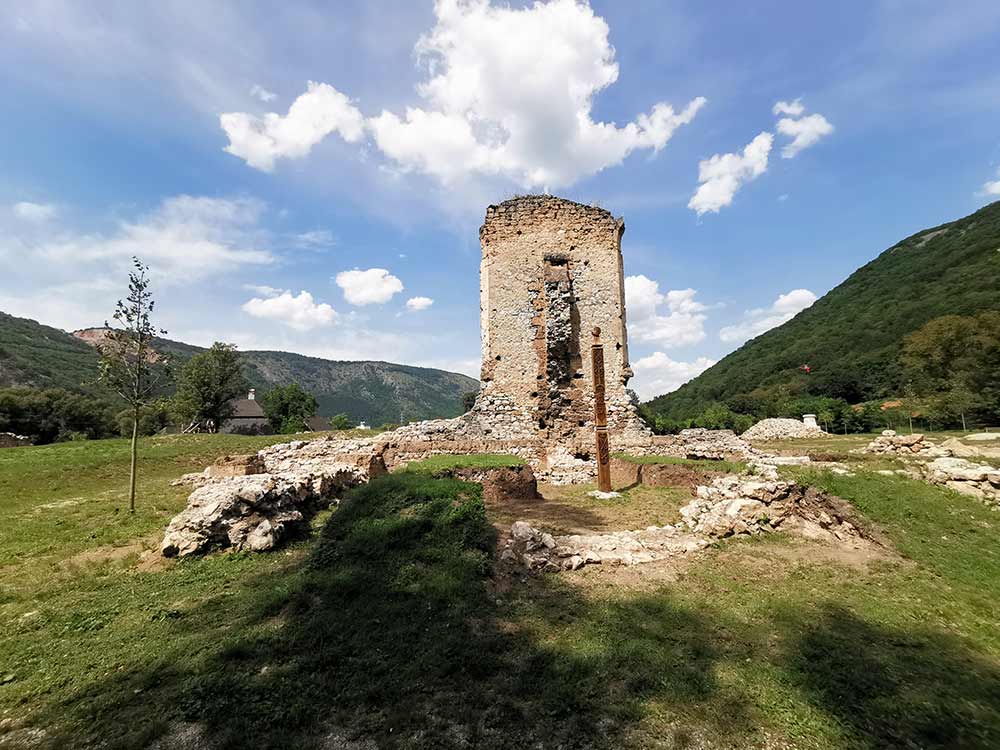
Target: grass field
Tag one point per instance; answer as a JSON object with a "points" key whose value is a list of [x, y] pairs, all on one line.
{"points": [[389, 629]]}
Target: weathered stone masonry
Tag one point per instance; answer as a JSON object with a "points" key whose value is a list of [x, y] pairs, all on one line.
{"points": [[552, 271]]}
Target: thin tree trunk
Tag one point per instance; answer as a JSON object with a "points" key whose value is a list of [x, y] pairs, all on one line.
{"points": [[131, 478], [964, 428]]}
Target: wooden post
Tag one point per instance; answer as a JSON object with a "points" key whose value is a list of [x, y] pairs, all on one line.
{"points": [[600, 413]]}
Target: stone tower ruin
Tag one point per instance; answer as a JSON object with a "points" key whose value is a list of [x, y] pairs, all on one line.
{"points": [[551, 272]]}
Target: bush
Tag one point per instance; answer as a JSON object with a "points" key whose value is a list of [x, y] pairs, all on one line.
{"points": [[54, 414]]}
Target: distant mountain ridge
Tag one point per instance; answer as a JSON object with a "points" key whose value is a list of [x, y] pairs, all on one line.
{"points": [[33, 354], [850, 338]]}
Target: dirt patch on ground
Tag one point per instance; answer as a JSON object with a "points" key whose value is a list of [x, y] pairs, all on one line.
{"points": [[104, 554], [678, 476]]}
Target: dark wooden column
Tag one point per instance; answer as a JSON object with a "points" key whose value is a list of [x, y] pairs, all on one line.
{"points": [[600, 413]]}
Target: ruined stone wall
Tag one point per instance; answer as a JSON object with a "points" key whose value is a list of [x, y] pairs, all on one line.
{"points": [[552, 271]]}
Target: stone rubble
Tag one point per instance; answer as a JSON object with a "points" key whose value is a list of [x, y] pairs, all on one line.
{"points": [[890, 443], [255, 502], [781, 429], [732, 505], [978, 480], [12, 440]]}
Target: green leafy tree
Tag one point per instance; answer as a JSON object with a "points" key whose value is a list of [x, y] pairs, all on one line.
{"points": [[152, 418], [826, 417], [341, 422], [287, 407], [469, 400], [208, 386], [127, 357], [54, 414]]}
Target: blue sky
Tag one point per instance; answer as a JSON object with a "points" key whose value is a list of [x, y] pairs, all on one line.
{"points": [[759, 153]]}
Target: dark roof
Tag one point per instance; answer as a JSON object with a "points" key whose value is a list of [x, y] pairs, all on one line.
{"points": [[247, 408]]}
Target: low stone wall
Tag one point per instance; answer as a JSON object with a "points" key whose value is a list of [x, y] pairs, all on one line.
{"points": [[729, 506], [889, 443], [10, 440], [981, 481]]}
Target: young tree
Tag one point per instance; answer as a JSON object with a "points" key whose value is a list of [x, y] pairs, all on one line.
{"points": [[127, 357], [208, 386], [287, 407]]}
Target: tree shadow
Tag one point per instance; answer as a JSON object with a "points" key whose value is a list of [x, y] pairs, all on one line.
{"points": [[897, 689], [393, 635]]}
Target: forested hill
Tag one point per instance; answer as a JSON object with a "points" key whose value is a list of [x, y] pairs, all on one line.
{"points": [[850, 338], [39, 356]]}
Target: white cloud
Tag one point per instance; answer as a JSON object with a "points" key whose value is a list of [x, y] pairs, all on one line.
{"points": [[795, 109], [419, 303], [376, 285], [756, 322], [723, 174], [184, 239], [508, 93], [263, 290], [299, 312], [804, 132], [262, 93], [34, 212], [992, 187], [315, 239], [658, 374], [313, 116], [683, 323]]}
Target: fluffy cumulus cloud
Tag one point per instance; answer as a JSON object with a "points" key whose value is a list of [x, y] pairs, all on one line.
{"points": [[992, 187], [658, 374], [313, 116], [300, 312], [724, 174], [373, 286], [418, 303], [795, 109], [756, 322], [669, 320], [509, 93], [34, 212], [804, 131]]}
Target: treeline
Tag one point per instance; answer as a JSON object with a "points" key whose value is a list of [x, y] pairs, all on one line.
{"points": [[207, 387], [950, 370]]}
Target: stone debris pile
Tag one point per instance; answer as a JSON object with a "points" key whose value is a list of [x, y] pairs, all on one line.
{"points": [[255, 502], [12, 440], [255, 512], [732, 505], [890, 443], [978, 480], [781, 429]]}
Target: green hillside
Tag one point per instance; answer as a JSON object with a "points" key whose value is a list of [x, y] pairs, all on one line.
{"points": [[850, 338], [42, 357], [36, 355]]}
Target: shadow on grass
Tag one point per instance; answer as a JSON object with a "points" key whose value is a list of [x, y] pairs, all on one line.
{"points": [[393, 635], [894, 689]]}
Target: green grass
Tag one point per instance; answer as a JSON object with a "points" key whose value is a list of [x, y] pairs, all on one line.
{"points": [[730, 467], [389, 627], [435, 464]]}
